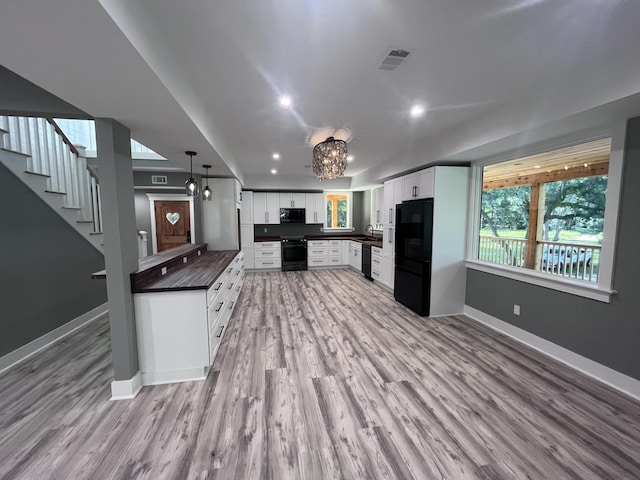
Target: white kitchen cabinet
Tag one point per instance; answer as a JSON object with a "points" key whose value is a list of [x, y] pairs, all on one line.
{"points": [[246, 244], [376, 264], [388, 256], [267, 255], [418, 184], [179, 332], [315, 208], [246, 210], [355, 255], [392, 196], [292, 200], [376, 217], [317, 253], [266, 208], [237, 187]]}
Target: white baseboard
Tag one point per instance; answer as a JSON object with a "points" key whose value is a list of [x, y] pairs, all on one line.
{"points": [[126, 389], [48, 339], [624, 383], [175, 376]]}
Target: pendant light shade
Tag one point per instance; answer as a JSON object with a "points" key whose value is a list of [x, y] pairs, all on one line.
{"points": [[206, 191], [191, 185], [330, 159]]}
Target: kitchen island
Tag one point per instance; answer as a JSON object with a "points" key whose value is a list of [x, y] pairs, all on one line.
{"points": [[183, 300]]}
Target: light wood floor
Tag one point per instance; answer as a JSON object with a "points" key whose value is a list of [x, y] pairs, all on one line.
{"points": [[322, 375]]}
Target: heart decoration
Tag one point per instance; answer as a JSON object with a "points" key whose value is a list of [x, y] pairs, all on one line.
{"points": [[173, 217]]}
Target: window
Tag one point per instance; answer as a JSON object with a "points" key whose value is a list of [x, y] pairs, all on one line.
{"points": [[544, 216], [338, 210]]}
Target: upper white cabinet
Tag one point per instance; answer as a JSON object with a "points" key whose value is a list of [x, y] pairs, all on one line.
{"points": [[418, 184], [246, 210], [315, 209], [292, 200], [392, 196], [266, 208], [237, 187], [377, 207]]}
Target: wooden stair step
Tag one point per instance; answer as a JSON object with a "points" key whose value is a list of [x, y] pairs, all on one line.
{"points": [[16, 152], [37, 174]]}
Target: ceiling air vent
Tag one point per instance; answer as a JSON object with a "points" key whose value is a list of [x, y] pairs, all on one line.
{"points": [[159, 179], [394, 57]]}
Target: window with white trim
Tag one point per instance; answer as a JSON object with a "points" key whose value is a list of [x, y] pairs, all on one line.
{"points": [[338, 214]]}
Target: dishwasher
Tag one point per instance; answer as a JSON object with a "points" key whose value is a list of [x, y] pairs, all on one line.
{"points": [[366, 261]]}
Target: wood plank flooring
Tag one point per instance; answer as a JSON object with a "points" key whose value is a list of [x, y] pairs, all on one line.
{"points": [[322, 375]]}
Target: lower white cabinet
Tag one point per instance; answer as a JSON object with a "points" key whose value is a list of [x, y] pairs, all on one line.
{"points": [[388, 256], [355, 255], [267, 255], [317, 253], [376, 264], [179, 332]]}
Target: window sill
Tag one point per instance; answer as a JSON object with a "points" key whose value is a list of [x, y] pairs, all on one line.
{"points": [[338, 230], [572, 287]]}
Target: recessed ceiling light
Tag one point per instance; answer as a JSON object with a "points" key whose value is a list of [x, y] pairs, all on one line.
{"points": [[276, 156], [349, 158], [586, 165], [285, 101], [566, 167], [417, 111], [536, 166], [273, 171]]}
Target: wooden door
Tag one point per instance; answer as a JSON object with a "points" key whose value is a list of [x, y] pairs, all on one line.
{"points": [[173, 224]]}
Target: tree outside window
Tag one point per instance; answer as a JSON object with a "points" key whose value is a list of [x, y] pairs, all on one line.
{"points": [[337, 210]]}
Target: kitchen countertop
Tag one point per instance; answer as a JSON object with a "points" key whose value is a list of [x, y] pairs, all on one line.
{"points": [[198, 274], [358, 238]]}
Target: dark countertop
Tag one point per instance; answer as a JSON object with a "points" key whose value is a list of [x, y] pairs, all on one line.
{"points": [[347, 236], [199, 274]]}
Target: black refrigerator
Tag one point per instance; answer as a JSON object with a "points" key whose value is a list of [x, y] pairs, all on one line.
{"points": [[414, 225]]}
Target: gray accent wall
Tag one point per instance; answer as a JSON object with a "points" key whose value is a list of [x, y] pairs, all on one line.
{"points": [[45, 277], [606, 333]]}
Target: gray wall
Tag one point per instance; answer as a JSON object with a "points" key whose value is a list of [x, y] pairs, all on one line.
{"points": [[606, 333], [45, 277], [142, 182]]}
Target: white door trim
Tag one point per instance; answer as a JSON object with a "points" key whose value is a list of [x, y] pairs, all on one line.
{"points": [[170, 197]]}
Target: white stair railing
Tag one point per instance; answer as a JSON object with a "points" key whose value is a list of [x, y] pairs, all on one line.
{"points": [[50, 154]]}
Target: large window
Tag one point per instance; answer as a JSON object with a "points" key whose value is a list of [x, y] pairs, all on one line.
{"points": [[338, 210], [546, 213]]}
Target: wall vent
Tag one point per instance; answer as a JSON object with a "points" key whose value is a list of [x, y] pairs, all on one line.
{"points": [[159, 179], [394, 57]]}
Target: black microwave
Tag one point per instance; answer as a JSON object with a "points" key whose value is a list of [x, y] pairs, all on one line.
{"points": [[292, 215]]}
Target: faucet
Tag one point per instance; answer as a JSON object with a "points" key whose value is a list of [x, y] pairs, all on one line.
{"points": [[369, 230]]}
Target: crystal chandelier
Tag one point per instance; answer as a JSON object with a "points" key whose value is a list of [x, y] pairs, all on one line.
{"points": [[330, 159], [191, 185]]}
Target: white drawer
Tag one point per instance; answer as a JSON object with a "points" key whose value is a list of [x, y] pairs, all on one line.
{"points": [[266, 245], [267, 263], [376, 262], [317, 251], [335, 260], [376, 252], [317, 243], [335, 250], [217, 287], [376, 275], [264, 253], [335, 243], [317, 261]]}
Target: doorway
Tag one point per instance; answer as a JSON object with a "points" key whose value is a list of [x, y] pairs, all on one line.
{"points": [[172, 221]]}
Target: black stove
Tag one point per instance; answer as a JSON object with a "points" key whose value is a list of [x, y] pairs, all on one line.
{"points": [[294, 253]]}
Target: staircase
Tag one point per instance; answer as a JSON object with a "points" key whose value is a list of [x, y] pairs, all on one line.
{"points": [[37, 152]]}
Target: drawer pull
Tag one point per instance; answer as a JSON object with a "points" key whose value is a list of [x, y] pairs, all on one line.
{"points": [[218, 286], [231, 306], [220, 332], [231, 286], [219, 307]]}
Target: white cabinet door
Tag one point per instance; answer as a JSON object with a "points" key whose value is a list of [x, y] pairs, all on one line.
{"points": [[387, 272], [246, 211], [425, 183], [246, 237], [285, 200], [273, 208], [392, 196], [237, 188], [345, 252], [377, 201], [298, 200], [259, 207], [314, 212], [409, 186]]}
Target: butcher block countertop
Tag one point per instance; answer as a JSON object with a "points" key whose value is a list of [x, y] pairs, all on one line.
{"points": [[199, 273]]}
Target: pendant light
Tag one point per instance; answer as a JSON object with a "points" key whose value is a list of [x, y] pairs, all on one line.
{"points": [[191, 185], [206, 191], [330, 159]]}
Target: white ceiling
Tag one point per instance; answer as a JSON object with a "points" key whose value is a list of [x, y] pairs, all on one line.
{"points": [[206, 75]]}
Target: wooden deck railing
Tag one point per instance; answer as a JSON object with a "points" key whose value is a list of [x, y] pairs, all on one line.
{"points": [[572, 260]]}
